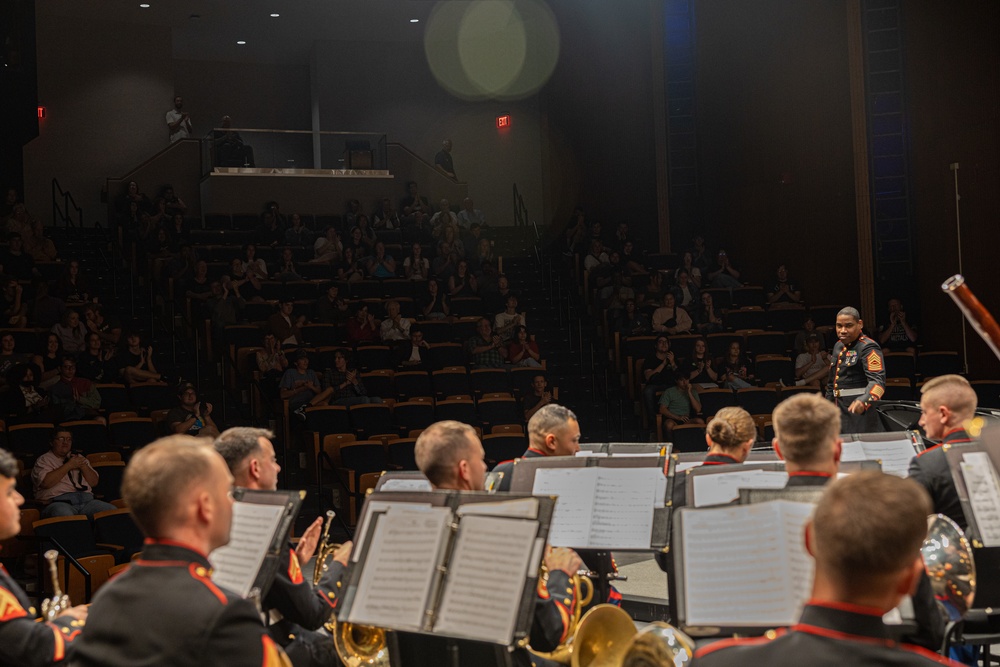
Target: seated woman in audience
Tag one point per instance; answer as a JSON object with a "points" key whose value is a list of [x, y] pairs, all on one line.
{"points": [[355, 243], [252, 264], [159, 244], [24, 399], [49, 361], [462, 283], [522, 351], [685, 292], [286, 267], [812, 367], [484, 253], [349, 268], [706, 318], [784, 293], [178, 229], [109, 331], [158, 215], [362, 327], [416, 266], [698, 367], [733, 368], [669, 318], [632, 322], [327, 249], [615, 305], [367, 233], [71, 332], [434, 304], [135, 362], [724, 274], [381, 264], [36, 244], [506, 322], [272, 363], [450, 236], [243, 282], [93, 364], [687, 264], [72, 287], [652, 296]]}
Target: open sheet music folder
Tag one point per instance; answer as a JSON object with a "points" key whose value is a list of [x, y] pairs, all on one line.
{"points": [[893, 450], [741, 568], [603, 503], [423, 558], [262, 521]]}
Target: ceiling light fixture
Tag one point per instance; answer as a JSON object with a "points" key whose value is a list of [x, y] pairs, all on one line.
{"points": [[241, 42], [274, 16], [145, 5], [414, 20]]}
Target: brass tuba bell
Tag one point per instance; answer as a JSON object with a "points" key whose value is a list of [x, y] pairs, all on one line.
{"points": [[948, 560]]}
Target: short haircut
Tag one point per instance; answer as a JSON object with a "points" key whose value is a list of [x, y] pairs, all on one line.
{"points": [[8, 464], [849, 310], [440, 447], [731, 427], [548, 419], [158, 477], [806, 426], [868, 527], [239, 443], [56, 430], [953, 391]]}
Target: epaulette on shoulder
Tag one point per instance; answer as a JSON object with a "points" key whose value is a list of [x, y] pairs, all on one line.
{"points": [[204, 576]]}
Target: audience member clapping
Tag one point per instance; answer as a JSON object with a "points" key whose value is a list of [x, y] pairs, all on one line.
{"points": [[394, 327], [71, 332], [300, 386], [416, 266], [724, 274], [71, 287], [785, 292], [671, 319], [327, 249], [48, 360], [506, 322], [631, 322], [331, 308], [808, 329], [435, 303], [462, 282], [286, 269], [78, 397], [707, 318], [362, 328], [94, 364], [734, 368], [349, 268], [381, 264], [346, 384], [522, 351], [698, 367], [812, 367]]}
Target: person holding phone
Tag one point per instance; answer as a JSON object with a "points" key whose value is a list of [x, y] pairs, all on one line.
{"points": [[192, 416]]}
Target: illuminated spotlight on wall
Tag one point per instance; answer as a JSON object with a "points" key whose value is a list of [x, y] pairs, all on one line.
{"points": [[500, 49]]}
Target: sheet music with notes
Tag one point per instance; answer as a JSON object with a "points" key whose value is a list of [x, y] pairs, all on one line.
{"points": [[406, 485], [235, 565], [400, 570], [746, 565], [724, 487], [895, 455], [984, 495], [501, 547], [601, 508]]}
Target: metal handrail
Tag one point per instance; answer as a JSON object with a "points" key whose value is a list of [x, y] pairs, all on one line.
{"points": [[64, 212], [67, 562]]}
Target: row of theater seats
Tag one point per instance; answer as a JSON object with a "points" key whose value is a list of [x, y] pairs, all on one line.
{"points": [[125, 432]]}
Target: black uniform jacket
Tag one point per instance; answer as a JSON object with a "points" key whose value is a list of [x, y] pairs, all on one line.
{"points": [[930, 468], [858, 365], [25, 642], [827, 635], [165, 610], [507, 468]]}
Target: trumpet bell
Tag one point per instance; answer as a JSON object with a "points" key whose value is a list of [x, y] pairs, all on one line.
{"points": [[602, 637], [948, 560]]}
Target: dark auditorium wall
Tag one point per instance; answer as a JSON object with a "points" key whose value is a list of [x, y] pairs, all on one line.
{"points": [[598, 116], [953, 85], [388, 87], [774, 133]]}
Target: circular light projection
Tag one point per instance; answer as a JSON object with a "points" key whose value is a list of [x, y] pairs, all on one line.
{"points": [[500, 49]]}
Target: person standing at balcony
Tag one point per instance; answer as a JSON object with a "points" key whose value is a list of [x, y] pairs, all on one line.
{"points": [[178, 121]]}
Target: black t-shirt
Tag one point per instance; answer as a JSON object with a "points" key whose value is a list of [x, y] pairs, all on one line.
{"points": [[443, 160], [92, 367], [179, 415], [664, 377]]}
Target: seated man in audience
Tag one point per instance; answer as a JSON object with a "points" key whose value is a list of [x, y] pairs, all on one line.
{"points": [[65, 480], [898, 335], [947, 403], [784, 293], [346, 384], [470, 215], [9, 357], [685, 291], [658, 371], [865, 539], [300, 386], [679, 404], [192, 417], [415, 354], [297, 233], [538, 398], [78, 397], [812, 367], [451, 456], [386, 216], [284, 325], [485, 349], [394, 326], [724, 274], [509, 320], [24, 641], [250, 456], [362, 327], [15, 262], [552, 431], [444, 218], [165, 609], [135, 362], [331, 308]]}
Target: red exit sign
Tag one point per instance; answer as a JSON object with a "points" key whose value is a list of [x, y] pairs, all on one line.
{"points": [[503, 121]]}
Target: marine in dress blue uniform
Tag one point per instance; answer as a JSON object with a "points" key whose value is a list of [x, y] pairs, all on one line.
{"points": [[857, 377]]}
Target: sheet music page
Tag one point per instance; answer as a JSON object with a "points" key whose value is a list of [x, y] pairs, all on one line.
{"points": [[894, 454], [399, 569], [622, 515], [371, 509], [583, 453], [235, 566], [735, 566], [406, 485], [984, 495], [499, 548], [575, 488], [686, 465], [522, 508], [800, 564], [723, 488], [852, 450]]}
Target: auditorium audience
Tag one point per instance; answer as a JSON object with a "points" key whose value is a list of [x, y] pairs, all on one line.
{"points": [[522, 351], [485, 349], [394, 327], [135, 362], [71, 287], [414, 354], [362, 327], [538, 398], [812, 367], [346, 384], [381, 264], [77, 396], [698, 366], [706, 317], [349, 267], [631, 322], [331, 308], [462, 283], [49, 360], [47, 310], [898, 334], [15, 311], [327, 249], [94, 364], [298, 234], [23, 400]]}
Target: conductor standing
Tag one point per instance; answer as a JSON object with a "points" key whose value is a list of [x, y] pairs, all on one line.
{"points": [[857, 377]]}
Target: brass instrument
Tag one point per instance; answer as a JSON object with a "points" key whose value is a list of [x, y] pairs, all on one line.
{"points": [[59, 602], [583, 593], [356, 645], [948, 560], [660, 641]]}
